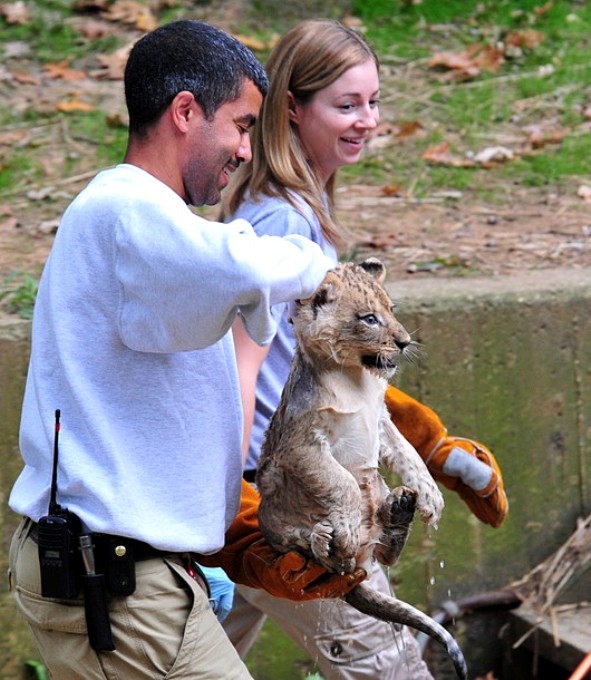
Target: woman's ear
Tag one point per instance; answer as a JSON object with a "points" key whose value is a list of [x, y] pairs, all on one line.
{"points": [[293, 108]]}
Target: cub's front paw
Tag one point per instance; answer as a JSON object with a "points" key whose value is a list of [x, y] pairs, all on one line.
{"points": [[430, 501], [332, 548]]}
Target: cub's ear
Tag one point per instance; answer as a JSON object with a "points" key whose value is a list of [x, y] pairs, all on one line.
{"points": [[325, 293], [374, 267]]}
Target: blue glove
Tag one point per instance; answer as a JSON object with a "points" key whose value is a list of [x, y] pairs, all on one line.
{"points": [[221, 589]]}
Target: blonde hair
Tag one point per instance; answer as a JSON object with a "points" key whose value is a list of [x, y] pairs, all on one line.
{"points": [[310, 57]]}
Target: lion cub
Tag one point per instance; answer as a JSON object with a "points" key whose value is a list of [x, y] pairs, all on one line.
{"points": [[321, 490], [318, 472]]}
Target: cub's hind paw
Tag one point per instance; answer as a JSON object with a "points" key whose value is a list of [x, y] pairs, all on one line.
{"points": [[403, 503], [395, 516]]}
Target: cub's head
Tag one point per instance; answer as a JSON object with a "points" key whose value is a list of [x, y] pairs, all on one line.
{"points": [[349, 320]]}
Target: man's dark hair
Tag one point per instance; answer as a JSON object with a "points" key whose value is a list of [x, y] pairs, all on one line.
{"points": [[186, 55]]}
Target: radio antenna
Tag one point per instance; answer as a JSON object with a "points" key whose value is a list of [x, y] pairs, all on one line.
{"points": [[54, 507]]}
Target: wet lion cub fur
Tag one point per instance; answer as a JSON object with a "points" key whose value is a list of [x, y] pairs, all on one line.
{"points": [[318, 474], [321, 489]]}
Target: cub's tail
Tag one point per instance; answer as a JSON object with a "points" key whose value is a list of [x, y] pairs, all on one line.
{"points": [[369, 601]]}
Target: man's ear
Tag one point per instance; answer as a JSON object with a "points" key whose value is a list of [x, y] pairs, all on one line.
{"points": [[182, 108]]}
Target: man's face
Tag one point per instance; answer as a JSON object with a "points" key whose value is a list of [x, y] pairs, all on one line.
{"points": [[217, 147]]}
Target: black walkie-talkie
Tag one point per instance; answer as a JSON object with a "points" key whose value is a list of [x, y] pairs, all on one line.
{"points": [[58, 531]]}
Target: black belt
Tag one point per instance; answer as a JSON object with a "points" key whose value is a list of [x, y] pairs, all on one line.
{"points": [[141, 551], [104, 543], [249, 476]]}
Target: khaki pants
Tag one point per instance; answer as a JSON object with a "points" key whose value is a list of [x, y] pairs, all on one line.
{"points": [[166, 629], [345, 644]]}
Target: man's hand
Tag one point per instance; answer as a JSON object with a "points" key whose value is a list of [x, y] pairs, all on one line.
{"points": [[293, 577]]}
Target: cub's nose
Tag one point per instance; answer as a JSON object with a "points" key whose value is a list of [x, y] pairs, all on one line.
{"points": [[402, 339]]}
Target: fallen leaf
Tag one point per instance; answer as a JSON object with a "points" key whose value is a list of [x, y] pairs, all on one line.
{"points": [[442, 155], [486, 57], [451, 60], [117, 120], [112, 65], [449, 262], [496, 154], [92, 29], [146, 21], [91, 5], [74, 105], [40, 194], [131, 12], [15, 13], [392, 190], [528, 38], [540, 135], [62, 70], [382, 129], [468, 64], [543, 9], [26, 78], [408, 129], [379, 241], [381, 136], [584, 192], [48, 226], [353, 22], [251, 42], [11, 137]]}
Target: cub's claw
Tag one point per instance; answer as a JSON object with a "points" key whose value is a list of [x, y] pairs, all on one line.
{"points": [[403, 502], [333, 549]]}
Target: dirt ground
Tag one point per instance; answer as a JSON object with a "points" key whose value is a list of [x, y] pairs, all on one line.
{"points": [[528, 229], [446, 234], [437, 237]]}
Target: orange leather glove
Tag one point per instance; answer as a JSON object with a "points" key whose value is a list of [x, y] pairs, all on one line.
{"points": [[248, 559], [462, 465]]}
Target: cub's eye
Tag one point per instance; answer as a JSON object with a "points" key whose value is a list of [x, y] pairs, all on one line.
{"points": [[370, 319]]}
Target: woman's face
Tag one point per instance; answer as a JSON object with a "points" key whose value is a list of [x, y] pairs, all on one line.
{"points": [[335, 124]]}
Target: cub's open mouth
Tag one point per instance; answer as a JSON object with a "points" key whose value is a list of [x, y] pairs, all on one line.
{"points": [[379, 361]]}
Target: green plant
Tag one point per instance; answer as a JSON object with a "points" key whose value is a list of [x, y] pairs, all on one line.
{"points": [[34, 670], [543, 85], [18, 293]]}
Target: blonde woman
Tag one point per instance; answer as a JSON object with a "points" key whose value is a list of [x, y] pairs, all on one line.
{"points": [[322, 105]]}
